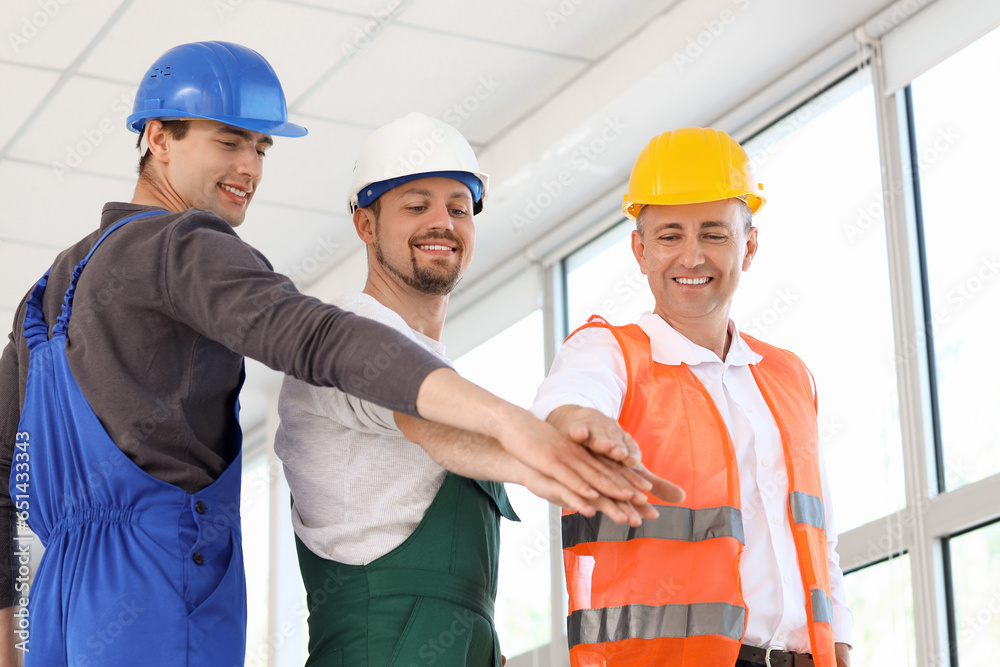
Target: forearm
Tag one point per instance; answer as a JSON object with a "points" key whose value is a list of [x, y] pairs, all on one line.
{"points": [[481, 457], [448, 398], [464, 453]]}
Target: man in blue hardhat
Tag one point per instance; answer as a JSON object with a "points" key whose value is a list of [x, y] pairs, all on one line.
{"points": [[119, 387]]}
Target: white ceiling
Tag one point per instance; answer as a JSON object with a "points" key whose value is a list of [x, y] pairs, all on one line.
{"points": [[530, 83]]}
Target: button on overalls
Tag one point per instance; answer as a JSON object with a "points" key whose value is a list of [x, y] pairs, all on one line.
{"points": [[136, 571]]}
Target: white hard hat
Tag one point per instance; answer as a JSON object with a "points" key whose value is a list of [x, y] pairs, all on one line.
{"points": [[414, 146]]}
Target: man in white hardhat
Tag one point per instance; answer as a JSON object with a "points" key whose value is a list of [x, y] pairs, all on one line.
{"points": [[119, 388], [399, 555]]}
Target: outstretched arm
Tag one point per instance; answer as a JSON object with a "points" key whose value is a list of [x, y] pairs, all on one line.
{"points": [[481, 457], [448, 398]]}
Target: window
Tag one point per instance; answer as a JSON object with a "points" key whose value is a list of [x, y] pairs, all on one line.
{"points": [[953, 110], [511, 365], [603, 278], [975, 560], [819, 286], [881, 599]]}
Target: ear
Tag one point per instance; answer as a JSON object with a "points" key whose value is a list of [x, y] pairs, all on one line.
{"points": [[751, 248], [364, 224], [157, 140], [639, 250]]}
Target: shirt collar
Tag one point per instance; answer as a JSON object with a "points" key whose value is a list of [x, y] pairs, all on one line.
{"points": [[672, 348]]}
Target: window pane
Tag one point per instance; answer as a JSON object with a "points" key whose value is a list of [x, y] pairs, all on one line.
{"points": [[975, 559], [954, 107], [512, 365], [819, 286], [256, 521], [882, 601], [603, 278]]}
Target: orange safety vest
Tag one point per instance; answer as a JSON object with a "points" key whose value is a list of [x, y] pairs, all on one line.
{"points": [[668, 593]]}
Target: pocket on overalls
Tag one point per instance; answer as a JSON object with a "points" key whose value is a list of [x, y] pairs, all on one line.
{"points": [[442, 633]]}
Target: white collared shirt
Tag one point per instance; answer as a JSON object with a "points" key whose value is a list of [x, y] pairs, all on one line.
{"points": [[590, 371]]}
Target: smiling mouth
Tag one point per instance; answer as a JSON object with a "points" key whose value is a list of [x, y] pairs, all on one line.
{"points": [[235, 191], [692, 281], [434, 246]]}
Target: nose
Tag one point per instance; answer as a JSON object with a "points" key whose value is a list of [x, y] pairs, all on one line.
{"points": [[251, 163], [692, 254], [441, 218]]}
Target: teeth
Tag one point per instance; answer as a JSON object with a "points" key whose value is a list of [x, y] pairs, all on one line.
{"points": [[433, 247], [692, 281], [239, 193]]}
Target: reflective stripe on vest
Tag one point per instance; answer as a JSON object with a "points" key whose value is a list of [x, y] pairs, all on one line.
{"points": [[674, 523], [640, 621], [807, 509], [822, 606]]}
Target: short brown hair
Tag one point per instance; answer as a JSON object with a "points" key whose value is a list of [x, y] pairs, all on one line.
{"points": [[175, 128]]}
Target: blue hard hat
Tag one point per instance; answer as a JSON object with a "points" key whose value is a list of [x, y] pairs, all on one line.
{"points": [[217, 81]]}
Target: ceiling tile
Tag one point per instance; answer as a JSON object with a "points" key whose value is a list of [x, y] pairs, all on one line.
{"points": [[381, 10], [477, 87], [82, 128], [53, 33], [313, 172], [570, 27], [28, 86], [61, 210], [276, 30]]}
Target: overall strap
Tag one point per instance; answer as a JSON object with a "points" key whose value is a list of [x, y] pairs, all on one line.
{"points": [[36, 331], [67, 308]]}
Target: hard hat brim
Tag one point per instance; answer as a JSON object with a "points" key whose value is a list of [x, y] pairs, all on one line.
{"points": [[631, 208], [137, 121]]}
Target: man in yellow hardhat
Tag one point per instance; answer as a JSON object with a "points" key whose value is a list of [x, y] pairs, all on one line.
{"points": [[743, 571]]}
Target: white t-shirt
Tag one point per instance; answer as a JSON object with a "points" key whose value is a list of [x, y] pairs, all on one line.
{"points": [[360, 487]]}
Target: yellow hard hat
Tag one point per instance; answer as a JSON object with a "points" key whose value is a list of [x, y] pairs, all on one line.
{"points": [[691, 165]]}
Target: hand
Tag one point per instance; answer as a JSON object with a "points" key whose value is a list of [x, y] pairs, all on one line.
{"points": [[479, 456], [447, 398], [843, 652], [601, 434], [605, 436]]}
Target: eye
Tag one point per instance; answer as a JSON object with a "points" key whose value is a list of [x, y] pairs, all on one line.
{"points": [[458, 212], [262, 153], [418, 208], [228, 144]]}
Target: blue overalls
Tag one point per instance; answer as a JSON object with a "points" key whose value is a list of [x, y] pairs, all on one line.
{"points": [[136, 571]]}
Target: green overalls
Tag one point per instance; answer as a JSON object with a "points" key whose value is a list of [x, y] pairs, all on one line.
{"points": [[429, 601]]}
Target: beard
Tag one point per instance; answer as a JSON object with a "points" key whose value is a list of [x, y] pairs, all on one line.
{"points": [[434, 280]]}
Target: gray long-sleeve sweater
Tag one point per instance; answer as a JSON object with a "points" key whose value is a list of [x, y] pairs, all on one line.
{"points": [[163, 315]]}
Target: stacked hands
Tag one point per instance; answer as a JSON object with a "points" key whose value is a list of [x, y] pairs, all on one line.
{"points": [[579, 459], [583, 460]]}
